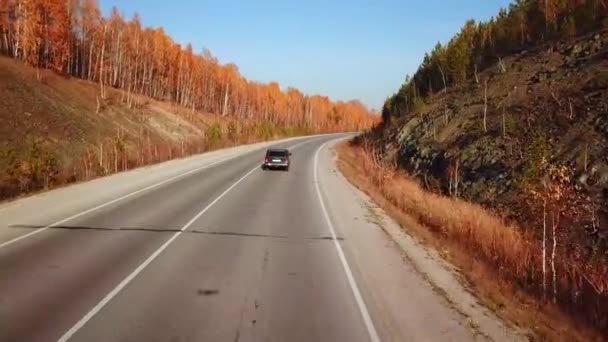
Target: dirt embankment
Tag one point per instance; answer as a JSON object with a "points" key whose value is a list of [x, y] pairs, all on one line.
{"points": [[56, 130], [529, 144], [494, 257]]}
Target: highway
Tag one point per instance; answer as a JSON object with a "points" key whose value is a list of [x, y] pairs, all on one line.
{"points": [[213, 248]]}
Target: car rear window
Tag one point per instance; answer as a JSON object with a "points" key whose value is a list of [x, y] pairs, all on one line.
{"points": [[277, 153]]}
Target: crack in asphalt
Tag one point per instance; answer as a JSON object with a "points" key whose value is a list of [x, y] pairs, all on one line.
{"points": [[173, 230]]}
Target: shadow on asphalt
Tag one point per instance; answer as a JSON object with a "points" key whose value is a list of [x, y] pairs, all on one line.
{"points": [[171, 230]]}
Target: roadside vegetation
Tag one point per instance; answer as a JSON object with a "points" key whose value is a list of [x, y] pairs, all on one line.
{"points": [[497, 146], [83, 95], [500, 261]]}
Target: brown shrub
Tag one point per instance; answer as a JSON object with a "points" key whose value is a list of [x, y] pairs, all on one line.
{"points": [[511, 253]]}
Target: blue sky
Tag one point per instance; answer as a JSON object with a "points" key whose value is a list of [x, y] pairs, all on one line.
{"points": [[344, 49]]}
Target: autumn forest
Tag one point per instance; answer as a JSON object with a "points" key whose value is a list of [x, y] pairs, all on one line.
{"points": [[73, 38]]}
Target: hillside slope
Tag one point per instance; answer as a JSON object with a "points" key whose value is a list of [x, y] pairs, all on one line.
{"points": [[540, 160], [549, 110], [55, 131]]}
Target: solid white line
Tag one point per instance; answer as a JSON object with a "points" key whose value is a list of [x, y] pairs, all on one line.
{"points": [[39, 230], [369, 324], [141, 267], [303, 143], [151, 258]]}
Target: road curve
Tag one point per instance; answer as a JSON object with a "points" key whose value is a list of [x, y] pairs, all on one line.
{"points": [[217, 250]]}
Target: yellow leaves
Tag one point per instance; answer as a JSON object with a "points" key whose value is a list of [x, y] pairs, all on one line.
{"points": [[555, 183], [122, 54], [25, 168], [560, 174]]}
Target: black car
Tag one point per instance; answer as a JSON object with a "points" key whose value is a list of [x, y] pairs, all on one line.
{"points": [[277, 159]]}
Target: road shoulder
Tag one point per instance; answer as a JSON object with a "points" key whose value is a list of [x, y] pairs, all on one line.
{"points": [[42, 209], [405, 285]]}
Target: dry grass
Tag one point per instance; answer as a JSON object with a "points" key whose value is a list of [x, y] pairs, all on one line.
{"points": [[501, 261], [53, 133]]}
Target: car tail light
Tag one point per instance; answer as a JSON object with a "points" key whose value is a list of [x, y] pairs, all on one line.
{"points": [[266, 160]]}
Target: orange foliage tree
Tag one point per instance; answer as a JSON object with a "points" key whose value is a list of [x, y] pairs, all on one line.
{"points": [[72, 37]]}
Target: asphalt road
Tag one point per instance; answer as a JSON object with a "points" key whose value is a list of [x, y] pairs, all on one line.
{"points": [[219, 250]]}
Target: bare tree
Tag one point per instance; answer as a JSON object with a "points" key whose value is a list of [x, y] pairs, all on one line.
{"points": [[485, 105], [554, 225], [224, 110], [504, 124], [504, 114], [559, 103], [456, 178], [503, 69], [544, 248], [445, 86], [586, 157], [453, 176], [101, 155], [594, 223], [101, 61], [90, 65]]}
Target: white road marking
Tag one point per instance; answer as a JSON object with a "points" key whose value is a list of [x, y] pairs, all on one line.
{"points": [[369, 324], [141, 267], [153, 186], [39, 230], [74, 329], [303, 143]]}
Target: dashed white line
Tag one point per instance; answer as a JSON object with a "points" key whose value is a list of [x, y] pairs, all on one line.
{"points": [[369, 324], [40, 230], [76, 327], [103, 205], [141, 267]]}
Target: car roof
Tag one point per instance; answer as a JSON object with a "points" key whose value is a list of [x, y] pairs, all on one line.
{"points": [[277, 150]]}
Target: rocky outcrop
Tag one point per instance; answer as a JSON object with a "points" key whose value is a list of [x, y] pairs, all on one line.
{"points": [[549, 111]]}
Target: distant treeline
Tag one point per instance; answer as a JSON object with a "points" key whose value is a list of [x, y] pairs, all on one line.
{"points": [[73, 38], [525, 24]]}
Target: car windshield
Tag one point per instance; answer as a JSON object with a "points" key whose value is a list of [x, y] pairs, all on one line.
{"points": [[277, 153]]}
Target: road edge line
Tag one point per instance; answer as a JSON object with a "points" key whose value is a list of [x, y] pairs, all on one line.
{"points": [[369, 324], [136, 192], [81, 323], [76, 327], [103, 205]]}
